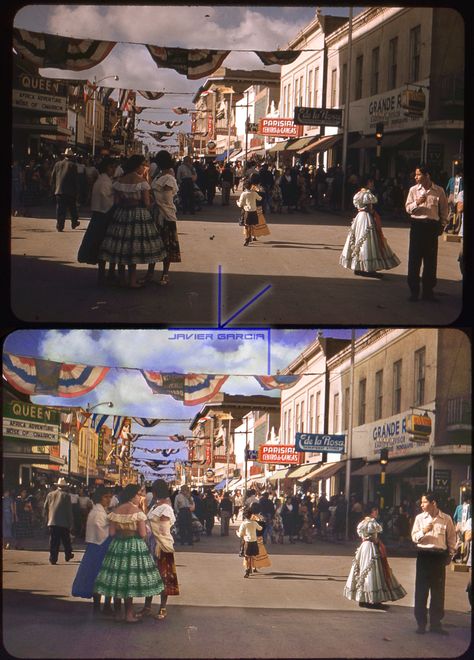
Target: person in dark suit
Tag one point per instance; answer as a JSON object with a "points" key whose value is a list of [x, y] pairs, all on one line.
{"points": [[58, 513], [64, 184]]}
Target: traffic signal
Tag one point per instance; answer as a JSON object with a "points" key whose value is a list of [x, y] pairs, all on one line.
{"points": [[379, 132], [384, 456]]}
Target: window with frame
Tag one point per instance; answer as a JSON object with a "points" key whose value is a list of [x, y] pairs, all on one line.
{"points": [[285, 421], [310, 88], [311, 414], [301, 94], [302, 420], [335, 419], [316, 83], [347, 403], [397, 387], [297, 418], [289, 426], [288, 103], [362, 400], [318, 411], [333, 87], [415, 53], [343, 91], [392, 62], [297, 91], [284, 104], [374, 79], [359, 64], [378, 394], [420, 357]]}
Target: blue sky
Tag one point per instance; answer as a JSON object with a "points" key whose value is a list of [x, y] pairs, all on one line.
{"points": [[196, 26]]}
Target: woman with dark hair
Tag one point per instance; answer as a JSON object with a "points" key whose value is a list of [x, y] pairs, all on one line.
{"points": [[160, 519], [132, 237], [128, 569], [366, 250], [165, 188], [371, 581]]}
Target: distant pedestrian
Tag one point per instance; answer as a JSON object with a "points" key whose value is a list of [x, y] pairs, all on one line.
{"points": [[102, 203], [225, 511], [277, 534], [161, 518], [183, 507], [248, 533], [24, 516], [58, 512], [210, 511], [289, 516], [128, 570], [371, 581], [65, 187], [186, 176], [212, 179], [262, 560], [289, 189], [8, 518], [428, 209], [227, 183], [366, 250], [85, 505], [435, 537], [238, 501], [267, 509]]}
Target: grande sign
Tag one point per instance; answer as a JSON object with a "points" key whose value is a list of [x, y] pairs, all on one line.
{"points": [[279, 127], [318, 116], [29, 422], [279, 454], [319, 442], [47, 97]]}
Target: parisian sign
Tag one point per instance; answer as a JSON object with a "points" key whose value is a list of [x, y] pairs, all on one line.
{"points": [[318, 116], [279, 127], [319, 442], [41, 94], [27, 421], [279, 454]]}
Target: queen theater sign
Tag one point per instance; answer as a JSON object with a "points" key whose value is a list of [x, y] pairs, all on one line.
{"points": [[43, 95]]}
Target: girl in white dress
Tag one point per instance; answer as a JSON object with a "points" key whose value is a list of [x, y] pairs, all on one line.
{"points": [[366, 250], [371, 581]]}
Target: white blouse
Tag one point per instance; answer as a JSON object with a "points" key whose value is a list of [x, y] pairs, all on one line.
{"points": [[102, 198], [164, 189], [248, 200], [97, 526]]}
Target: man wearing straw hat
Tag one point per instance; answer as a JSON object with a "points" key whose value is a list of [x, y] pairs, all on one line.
{"points": [[64, 184], [58, 512]]}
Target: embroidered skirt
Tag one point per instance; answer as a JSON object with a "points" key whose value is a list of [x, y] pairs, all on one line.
{"points": [[132, 238], [83, 585], [167, 568], [95, 234], [128, 570], [365, 249]]}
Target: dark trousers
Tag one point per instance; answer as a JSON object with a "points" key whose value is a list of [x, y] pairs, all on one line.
{"points": [[65, 203], [423, 251], [185, 526], [186, 191], [58, 535], [430, 580]]}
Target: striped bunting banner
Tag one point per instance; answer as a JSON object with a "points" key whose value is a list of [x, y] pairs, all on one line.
{"points": [[277, 382], [191, 389], [193, 63], [147, 422], [270, 57]]}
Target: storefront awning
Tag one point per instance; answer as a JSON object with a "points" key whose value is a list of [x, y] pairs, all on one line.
{"points": [[257, 480], [303, 470], [395, 466], [279, 146], [326, 470], [280, 474], [323, 144], [223, 155], [256, 151], [302, 142], [388, 140], [236, 155]]}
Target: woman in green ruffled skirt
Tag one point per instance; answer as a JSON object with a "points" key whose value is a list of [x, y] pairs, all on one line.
{"points": [[128, 570]]}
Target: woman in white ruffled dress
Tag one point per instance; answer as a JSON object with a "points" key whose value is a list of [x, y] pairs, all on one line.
{"points": [[366, 250], [371, 580]]}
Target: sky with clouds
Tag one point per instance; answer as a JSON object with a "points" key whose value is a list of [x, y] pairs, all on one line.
{"points": [[198, 26], [130, 350]]}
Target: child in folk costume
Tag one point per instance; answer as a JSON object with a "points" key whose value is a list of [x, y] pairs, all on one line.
{"points": [[252, 217], [366, 250], [262, 560], [161, 518], [371, 581], [248, 532]]}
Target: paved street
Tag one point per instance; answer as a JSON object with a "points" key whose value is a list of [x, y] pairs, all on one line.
{"points": [[295, 609], [300, 260]]}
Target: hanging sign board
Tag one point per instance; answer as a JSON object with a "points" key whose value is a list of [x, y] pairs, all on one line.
{"points": [[418, 425], [27, 421], [279, 454], [317, 442], [279, 127], [317, 116]]}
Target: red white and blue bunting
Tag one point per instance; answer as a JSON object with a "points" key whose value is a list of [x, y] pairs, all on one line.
{"points": [[191, 389], [277, 382]]}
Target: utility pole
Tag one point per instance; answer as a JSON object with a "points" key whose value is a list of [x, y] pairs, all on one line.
{"points": [[346, 111], [349, 434]]}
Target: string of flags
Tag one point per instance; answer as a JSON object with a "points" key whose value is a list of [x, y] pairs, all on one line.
{"points": [[37, 376], [61, 52]]}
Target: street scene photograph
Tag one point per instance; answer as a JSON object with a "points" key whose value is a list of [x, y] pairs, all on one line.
{"points": [[237, 493], [259, 165]]}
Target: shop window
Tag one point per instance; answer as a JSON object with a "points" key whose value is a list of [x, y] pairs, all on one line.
{"points": [[378, 394], [415, 53], [392, 62], [316, 83], [362, 401], [397, 388], [342, 91], [374, 79], [297, 418], [318, 411], [420, 357], [311, 414], [347, 403], [302, 424], [333, 87], [358, 77], [336, 413], [310, 88]]}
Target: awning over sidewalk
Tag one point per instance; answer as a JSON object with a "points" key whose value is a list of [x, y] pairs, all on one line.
{"points": [[388, 140], [280, 474], [279, 146], [323, 144], [394, 466], [302, 142], [223, 155], [303, 470], [326, 470]]}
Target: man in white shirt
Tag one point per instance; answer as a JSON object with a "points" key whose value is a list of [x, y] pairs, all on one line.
{"points": [[435, 537], [428, 209]]}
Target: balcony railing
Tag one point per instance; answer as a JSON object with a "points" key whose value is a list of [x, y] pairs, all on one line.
{"points": [[451, 90], [459, 412]]}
